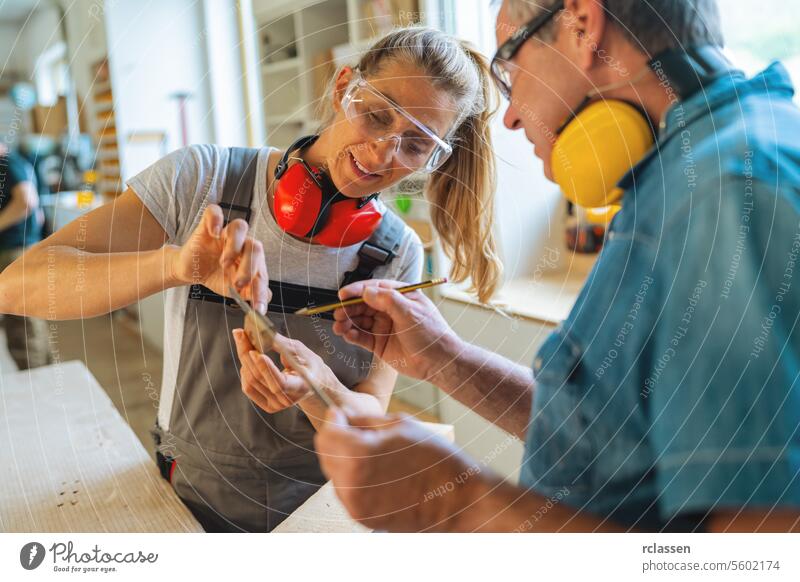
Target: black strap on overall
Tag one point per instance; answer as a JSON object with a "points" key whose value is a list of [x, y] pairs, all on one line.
{"points": [[379, 250]]}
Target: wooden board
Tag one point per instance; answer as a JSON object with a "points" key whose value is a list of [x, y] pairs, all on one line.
{"points": [[70, 462], [324, 513]]}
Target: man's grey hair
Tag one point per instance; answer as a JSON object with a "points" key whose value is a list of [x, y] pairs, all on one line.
{"points": [[651, 25]]}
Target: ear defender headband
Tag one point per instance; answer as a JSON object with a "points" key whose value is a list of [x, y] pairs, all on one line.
{"points": [[605, 138], [308, 205]]}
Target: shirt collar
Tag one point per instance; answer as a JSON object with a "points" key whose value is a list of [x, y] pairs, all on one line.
{"points": [[731, 86], [727, 88]]}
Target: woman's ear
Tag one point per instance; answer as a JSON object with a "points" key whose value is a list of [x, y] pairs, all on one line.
{"points": [[343, 78]]}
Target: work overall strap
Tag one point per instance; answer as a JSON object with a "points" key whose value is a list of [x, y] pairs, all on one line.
{"points": [[237, 464], [236, 202], [379, 250]]}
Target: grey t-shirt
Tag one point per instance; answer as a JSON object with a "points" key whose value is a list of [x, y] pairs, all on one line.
{"points": [[177, 189]]}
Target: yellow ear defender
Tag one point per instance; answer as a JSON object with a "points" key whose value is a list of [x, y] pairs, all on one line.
{"points": [[598, 146], [605, 138]]}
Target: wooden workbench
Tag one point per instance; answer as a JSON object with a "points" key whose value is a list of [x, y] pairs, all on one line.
{"points": [[70, 463], [324, 513]]}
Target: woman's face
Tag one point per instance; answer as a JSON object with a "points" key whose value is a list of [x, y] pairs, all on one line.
{"points": [[360, 164]]}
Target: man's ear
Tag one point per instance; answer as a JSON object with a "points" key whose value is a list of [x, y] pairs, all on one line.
{"points": [[343, 78], [584, 25]]}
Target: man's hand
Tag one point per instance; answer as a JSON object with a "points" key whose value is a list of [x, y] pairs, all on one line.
{"points": [[407, 332], [217, 257], [273, 389], [404, 330], [393, 474]]}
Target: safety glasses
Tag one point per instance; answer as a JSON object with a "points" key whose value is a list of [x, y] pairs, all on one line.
{"points": [[502, 67], [379, 119]]}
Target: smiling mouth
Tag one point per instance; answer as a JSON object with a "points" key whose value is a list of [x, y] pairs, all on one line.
{"points": [[360, 171]]}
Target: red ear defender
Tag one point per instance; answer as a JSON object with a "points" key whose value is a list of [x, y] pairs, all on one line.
{"points": [[298, 201], [308, 205], [350, 222]]}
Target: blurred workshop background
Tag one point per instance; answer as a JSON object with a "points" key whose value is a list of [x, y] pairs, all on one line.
{"points": [[93, 91]]}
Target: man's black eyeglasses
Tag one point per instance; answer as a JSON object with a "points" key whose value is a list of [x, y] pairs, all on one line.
{"points": [[501, 70]]}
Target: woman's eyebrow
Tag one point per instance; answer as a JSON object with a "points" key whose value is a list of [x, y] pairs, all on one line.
{"points": [[415, 132], [394, 103]]}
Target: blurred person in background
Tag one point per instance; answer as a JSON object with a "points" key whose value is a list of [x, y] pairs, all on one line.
{"points": [[20, 227]]}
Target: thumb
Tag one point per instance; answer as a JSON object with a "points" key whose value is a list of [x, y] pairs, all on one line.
{"points": [[212, 222]]}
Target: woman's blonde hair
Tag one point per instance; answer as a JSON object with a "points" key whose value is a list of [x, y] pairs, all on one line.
{"points": [[461, 192]]}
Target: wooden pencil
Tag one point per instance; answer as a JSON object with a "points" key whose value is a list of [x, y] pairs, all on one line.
{"points": [[357, 300]]}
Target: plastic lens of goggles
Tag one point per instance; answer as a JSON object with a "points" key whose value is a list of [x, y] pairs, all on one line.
{"points": [[502, 78], [375, 117]]}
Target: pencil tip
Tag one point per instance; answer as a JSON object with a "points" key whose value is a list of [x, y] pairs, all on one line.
{"points": [[302, 311]]}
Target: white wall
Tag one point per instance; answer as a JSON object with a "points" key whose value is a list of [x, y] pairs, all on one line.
{"points": [[225, 73], [10, 48], [86, 45], [529, 211], [157, 49], [40, 32]]}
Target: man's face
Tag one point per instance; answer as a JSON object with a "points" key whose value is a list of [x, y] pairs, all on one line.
{"points": [[546, 86]]}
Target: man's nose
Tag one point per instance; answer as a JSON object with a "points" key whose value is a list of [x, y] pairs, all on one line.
{"points": [[511, 119]]}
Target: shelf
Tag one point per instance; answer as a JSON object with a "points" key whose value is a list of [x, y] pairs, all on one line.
{"points": [[106, 186], [101, 106], [109, 170], [546, 298], [104, 115], [109, 133], [101, 87], [106, 153], [325, 34], [281, 66], [105, 131]]}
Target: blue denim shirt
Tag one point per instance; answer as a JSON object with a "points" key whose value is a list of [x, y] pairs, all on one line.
{"points": [[673, 388]]}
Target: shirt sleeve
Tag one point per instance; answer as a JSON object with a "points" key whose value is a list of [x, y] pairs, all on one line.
{"points": [[19, 171], [723, 389], [175, 189]]}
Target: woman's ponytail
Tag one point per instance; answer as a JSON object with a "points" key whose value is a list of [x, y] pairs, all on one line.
{"points": [[462, 193]]}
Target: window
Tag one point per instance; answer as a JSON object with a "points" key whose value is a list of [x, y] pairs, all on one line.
{"points": [[767, 32]]}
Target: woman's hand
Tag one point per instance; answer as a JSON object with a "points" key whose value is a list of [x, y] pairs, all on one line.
{"points": [[273, 389], [217, 257]]}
